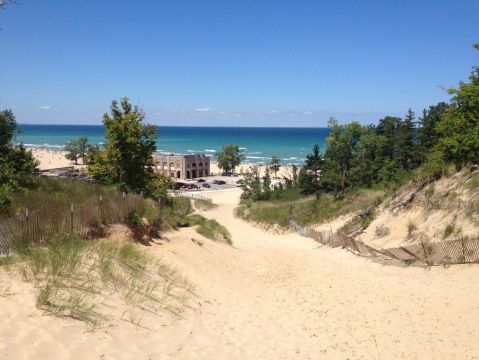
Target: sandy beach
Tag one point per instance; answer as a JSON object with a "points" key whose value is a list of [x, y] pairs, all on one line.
{"points": [[53, 158], [268, 296]]}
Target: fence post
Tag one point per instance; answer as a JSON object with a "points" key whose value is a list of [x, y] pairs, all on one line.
{"points": [[463, 249], [27, 222], [425, 253], [71, 218], [101, 209]]}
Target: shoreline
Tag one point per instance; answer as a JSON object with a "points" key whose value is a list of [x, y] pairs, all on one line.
{"points": [[51, 158]]}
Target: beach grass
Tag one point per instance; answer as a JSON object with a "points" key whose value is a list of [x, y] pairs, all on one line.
{"points": [[209, 228], [205, 205], [73, 278], [306, 210]]}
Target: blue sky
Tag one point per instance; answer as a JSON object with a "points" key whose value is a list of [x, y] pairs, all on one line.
{"points": [[250, 63]]}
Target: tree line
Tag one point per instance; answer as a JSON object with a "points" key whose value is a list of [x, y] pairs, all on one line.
{"points": [[359, 156]]}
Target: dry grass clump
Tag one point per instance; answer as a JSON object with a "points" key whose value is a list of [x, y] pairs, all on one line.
{"points": [[411, 227], [310, 210], [382, 230], [209, 228], [204, 204], [74, 278]]}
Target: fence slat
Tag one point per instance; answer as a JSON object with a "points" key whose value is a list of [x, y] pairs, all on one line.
{"points": [[458, 251]]}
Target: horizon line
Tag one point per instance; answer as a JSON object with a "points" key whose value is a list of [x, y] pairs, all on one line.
{"points": [[198, 126]]}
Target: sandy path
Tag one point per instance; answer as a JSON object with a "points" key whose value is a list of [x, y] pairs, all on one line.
{"points": [[272, 297]]}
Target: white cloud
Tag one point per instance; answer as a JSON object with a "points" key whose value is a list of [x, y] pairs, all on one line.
{"points": [[157, 114], [45, 107], [205, 109], [307, 113]]}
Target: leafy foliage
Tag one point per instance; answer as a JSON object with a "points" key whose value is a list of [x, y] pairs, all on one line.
{"points": [[230, 157], [127, 159], [76, 149], [308, 179], [275, 165], [458, 128], [17, 165]]}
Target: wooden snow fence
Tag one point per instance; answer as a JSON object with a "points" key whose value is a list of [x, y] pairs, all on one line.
{"points": [[459, 251], [42, 225]]}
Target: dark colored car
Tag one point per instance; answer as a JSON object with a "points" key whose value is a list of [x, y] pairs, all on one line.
{"points": [[206, 185], [179, 185], [193, 186], [220, 182], [201, 180]]}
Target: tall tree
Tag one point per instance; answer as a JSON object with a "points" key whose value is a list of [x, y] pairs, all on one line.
{"points": [[407, 155], [389, 127], [230, 157], [342, 145], [427, 133], [459, 128], [17, 164], [308, 179], [266, 193], [275, 165], [76, 149], [128, 156]]}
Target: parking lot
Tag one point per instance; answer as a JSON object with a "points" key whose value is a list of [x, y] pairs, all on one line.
{"points": [[210, 181]]}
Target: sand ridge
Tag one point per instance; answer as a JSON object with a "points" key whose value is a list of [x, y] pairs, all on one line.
{"points": [[269, 296]]}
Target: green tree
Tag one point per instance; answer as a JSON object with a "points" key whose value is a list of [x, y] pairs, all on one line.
{"points": [[275, 165], [252, 184], [229, 158], [368, 160], [427, 133], [308, 180], [266, 191], [17, 164], [458, 129], [342, 145], [294, 169], [76, 149], [127, 159], [389, 127], [407, 154]]}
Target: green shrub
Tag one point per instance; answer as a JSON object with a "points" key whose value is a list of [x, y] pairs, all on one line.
{"points": [[307, 210], [5, 199], [209, 228]]}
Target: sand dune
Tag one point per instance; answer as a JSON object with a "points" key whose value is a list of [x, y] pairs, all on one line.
{"points": [[269, 296]]}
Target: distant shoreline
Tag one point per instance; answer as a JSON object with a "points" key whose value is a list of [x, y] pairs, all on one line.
{"points": [[259, 144]]}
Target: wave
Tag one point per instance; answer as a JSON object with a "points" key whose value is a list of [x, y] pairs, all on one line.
{"points": [[255, 153], [210, 150], [257, 157], [43, 146]]}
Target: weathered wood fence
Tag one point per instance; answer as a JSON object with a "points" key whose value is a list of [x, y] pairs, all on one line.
{"points": [[459, 251], [42, 225], [191, 195]]}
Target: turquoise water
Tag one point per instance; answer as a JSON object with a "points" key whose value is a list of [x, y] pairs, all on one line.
{"points": [[259, 144]]}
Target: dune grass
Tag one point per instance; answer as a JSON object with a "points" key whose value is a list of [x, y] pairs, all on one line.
{"points": [[74, 277], [307, 210], [209, 228], [204, 204]]}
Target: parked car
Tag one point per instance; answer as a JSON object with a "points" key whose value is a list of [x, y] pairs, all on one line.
{"points": [[219, 182], [193, 187], [206, 185], [201, 180], [179, 185]]}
